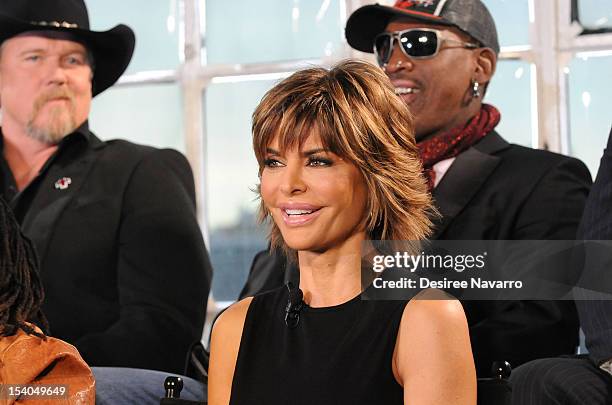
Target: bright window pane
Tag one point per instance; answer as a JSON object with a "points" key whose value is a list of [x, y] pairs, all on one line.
{"points": [[512, 20], [150, 115], [272, 30], [155, 24], [595, 14], [510, 92], [231, 175], [589, 93]]}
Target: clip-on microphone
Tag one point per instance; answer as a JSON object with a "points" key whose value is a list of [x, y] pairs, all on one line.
{"points": [[295, 304]]}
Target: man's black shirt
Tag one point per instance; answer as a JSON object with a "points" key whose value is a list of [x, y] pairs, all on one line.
{"points": [[20, 201]]}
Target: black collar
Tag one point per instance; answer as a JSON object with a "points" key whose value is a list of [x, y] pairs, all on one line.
{"points": [[491, 143], [466, 175]]}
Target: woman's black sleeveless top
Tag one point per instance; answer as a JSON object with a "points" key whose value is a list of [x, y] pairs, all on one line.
{"points": [[335, 355]]}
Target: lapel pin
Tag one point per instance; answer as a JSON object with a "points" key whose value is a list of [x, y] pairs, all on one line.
{"points": [[63, 183]]}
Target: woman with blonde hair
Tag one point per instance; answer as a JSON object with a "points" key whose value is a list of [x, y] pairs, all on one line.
{"points": [[338, 167]]}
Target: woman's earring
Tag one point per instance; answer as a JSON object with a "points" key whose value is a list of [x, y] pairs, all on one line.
{"points": [[475, 89]]}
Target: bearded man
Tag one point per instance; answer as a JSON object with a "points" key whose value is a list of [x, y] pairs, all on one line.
{"points": [[122, 258]]}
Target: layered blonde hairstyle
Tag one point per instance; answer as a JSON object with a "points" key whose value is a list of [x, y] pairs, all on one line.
{"points": [[354, 109]]}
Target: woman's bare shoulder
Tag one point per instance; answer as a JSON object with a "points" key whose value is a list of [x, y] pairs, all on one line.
{"points": [[233, 317], [433, 348], [433, 318], [224, 348], [436, 308]]}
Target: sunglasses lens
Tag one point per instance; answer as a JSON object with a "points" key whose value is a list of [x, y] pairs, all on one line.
{"points": [[382, 48], [419, 43]]}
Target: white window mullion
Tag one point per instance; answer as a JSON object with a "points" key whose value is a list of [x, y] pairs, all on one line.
{"points": [[544, 37], [195, 138]]}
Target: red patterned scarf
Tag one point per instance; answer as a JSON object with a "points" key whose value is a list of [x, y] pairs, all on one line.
{"points": [[457, 140]]}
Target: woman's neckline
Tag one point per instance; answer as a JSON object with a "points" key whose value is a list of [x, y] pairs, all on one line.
{"points": [[331, 308]]}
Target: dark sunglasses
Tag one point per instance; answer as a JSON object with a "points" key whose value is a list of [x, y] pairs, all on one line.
{"points": [[416, 43]]}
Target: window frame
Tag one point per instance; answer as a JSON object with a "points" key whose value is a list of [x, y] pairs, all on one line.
{"points": [[555, 38]]}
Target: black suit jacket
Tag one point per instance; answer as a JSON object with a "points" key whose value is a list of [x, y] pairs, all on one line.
{"points": [[596, 315], [123, 262], [499, 191]]}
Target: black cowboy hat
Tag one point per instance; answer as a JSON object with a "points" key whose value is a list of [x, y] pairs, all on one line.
{"points": [[112, 50]]}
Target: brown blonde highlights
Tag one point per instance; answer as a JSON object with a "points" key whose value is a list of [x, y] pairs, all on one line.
{"points": [[354, 108]]}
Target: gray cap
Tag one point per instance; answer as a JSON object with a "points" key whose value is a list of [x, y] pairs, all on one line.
{"points": [[470, 16]]}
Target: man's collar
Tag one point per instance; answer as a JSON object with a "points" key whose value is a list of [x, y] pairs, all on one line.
{"points": [[81, 132], [84, 130], [492, 143]]}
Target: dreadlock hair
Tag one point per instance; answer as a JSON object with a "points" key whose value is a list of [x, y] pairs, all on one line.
{"points": [[21, 292]]}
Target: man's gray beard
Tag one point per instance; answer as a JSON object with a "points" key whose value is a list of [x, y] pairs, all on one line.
{"points": [[57, 128]]}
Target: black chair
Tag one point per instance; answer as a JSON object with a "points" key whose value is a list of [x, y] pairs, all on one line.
{"points": [[490, 391], [173, 387], [196, 367], [495, 390]]}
